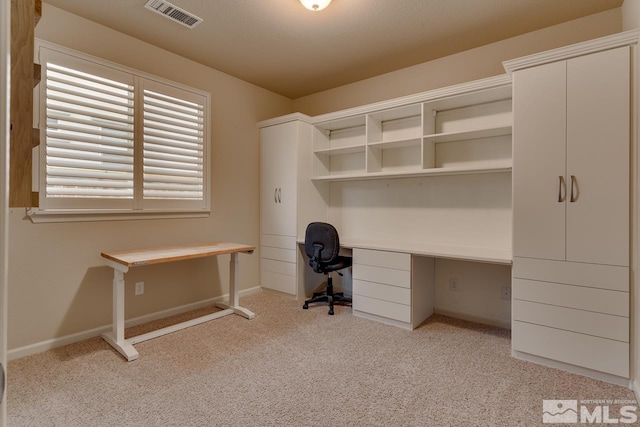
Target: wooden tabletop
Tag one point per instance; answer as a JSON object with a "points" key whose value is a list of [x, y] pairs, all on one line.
{"points": [[132, 258]]}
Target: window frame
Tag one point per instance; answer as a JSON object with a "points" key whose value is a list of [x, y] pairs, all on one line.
{"points": [[54, 209]]}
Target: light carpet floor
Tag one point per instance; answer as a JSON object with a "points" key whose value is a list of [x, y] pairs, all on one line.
{"points": [[291, 367]]}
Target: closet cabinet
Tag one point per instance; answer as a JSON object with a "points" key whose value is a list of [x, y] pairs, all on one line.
{"points": [[288, 200], [278, 178], [278, 200], [571, 211]]}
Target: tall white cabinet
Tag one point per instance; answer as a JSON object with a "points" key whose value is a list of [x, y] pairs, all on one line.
{"points": [[288, 200], [571, 217]]}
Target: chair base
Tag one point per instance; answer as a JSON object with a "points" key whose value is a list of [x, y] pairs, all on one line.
{"points": [[327, 296]]}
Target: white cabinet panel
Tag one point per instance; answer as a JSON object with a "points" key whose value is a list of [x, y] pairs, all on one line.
{"points": [[539, 161], [588, 351], [598, 137]]}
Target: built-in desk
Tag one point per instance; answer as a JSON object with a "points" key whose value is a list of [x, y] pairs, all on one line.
{"points": [[394, 282]]}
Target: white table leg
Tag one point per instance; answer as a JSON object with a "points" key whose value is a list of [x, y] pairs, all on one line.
{"points": [[234, 301], [116, 337]]}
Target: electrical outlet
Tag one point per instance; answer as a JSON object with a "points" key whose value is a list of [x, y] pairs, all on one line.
{"points": [[453, 284], [139, 288], [506, 293]]}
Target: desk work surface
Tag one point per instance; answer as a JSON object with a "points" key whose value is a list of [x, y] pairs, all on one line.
{"points": [[437, 250], [135, 257]]}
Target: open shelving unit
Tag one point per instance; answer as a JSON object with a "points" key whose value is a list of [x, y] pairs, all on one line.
{"points": [[465, 133]]}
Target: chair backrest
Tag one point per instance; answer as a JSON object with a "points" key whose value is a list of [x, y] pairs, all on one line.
{"points": [[322, 245]]}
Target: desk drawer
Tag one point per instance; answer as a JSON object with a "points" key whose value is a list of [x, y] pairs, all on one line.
{"points": [[578, 297], [573, 273], [287, 268], [382, 308], [278, 241], [569, 319], [278, 282], [388, 276], [278, 254], [396, 260], [591, 352], [382, 292]]}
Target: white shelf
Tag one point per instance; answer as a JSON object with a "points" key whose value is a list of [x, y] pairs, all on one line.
{"points": [[358, 148], [494, 167], [471, 134], [399, 143]]}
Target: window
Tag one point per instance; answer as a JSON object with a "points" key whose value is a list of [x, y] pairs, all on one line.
{"points": [[117, 141]]}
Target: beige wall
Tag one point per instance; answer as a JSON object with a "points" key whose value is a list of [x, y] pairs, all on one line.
{"points": [[473, 64], [58, 284]]}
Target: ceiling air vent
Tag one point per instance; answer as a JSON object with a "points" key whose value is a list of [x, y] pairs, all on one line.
{"points": [[173, 12]]}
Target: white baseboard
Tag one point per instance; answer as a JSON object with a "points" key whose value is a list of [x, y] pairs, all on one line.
{"points": [[39, 347], [500, 323], [602, 376]]}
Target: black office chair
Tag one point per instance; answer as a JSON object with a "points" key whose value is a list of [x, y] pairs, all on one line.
{"points": [[322, 244]]}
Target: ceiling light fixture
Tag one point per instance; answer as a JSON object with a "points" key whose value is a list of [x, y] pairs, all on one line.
{"points": [[315, 5]]}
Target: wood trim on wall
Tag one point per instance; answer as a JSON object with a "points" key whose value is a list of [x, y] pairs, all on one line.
{"points": [[24, 17]]}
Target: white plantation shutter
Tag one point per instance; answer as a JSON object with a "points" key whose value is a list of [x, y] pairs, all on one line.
{"points": [[118, 140], [173, 144], [89, 134]]}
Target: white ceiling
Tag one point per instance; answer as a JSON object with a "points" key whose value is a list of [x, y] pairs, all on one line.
{"points": [[283, 47]]}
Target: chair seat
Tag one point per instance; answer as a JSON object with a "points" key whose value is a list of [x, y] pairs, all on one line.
{"points": [[339, 263]]}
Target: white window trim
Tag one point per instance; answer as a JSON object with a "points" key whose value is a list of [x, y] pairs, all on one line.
{"points": [[39, 215]]}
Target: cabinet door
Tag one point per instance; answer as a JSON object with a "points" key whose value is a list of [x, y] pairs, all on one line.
{"points": [[539, 132], [598, 138], [278, 179]]}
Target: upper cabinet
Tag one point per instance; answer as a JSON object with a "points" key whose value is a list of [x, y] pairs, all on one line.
{"points": [[278, 178], [462, 131], [571, 188]]}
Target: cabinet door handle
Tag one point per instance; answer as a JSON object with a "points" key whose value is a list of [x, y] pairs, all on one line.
{"points": [[279, 195], [575, 191], [275, 195], [562, 190]]}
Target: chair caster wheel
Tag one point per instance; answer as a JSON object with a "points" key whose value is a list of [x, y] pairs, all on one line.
{"points": [[331, 312], [305, 307]]}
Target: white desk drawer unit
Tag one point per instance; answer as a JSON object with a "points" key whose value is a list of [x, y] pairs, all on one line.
{"points": [[572, 312], [384, 287], [278, 267]]}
